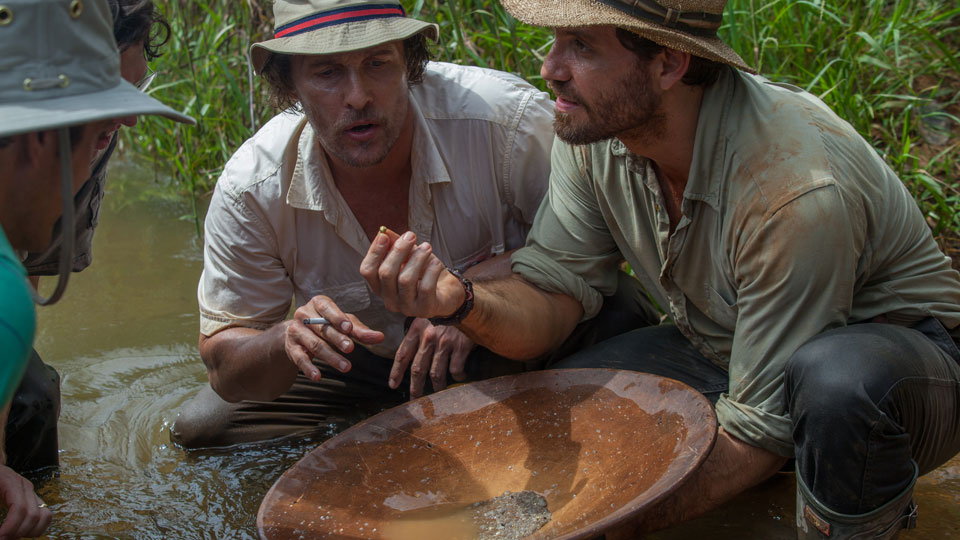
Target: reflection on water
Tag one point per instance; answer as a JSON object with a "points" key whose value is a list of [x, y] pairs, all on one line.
{"points": [[124, 342]]}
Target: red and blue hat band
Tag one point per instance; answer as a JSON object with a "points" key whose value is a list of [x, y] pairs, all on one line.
{"points": [[323, 19]]}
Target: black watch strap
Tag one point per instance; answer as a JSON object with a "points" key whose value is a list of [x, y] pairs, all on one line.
{"points": [[461, 313]]}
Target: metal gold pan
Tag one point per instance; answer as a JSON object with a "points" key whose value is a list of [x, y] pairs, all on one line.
{"points": [[600, 445]]}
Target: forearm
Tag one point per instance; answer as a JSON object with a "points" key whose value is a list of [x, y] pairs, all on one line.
{"points": [[248, 364], [518, 320], [732, 467]]}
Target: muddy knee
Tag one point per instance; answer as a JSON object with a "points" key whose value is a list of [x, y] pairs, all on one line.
{"points": [[203, 421]]}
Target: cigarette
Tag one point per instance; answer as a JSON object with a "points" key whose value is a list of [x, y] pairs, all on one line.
{"points": [[316, 320]]}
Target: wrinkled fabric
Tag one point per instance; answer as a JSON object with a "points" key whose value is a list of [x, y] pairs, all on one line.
{"points": [[872, 405], [31, 438], [277, 228], [791, 225]]}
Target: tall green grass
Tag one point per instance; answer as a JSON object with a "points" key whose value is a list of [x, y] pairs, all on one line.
{"points": [[887, 66], [890, 68]]}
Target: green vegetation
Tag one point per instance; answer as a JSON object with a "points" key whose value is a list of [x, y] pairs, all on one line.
{"points": [[887, 66]]}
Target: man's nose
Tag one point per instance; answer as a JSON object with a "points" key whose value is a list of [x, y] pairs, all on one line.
{"points": [[358, 92], [553, 68]]}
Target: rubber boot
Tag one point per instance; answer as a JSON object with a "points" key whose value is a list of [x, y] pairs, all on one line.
{"points": [[815, 521]]}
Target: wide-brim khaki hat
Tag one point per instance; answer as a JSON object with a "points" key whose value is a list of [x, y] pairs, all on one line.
{"points": [[684, 25], [336, 26], [61, 67]]}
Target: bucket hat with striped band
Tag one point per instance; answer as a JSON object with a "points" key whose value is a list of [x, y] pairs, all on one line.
{"points": [[335, 26], [685, 25]]}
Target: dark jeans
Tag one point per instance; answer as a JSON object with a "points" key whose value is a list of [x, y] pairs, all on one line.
{"points": [[339, 400], [31, 430], [867, 401], [660, 350]]}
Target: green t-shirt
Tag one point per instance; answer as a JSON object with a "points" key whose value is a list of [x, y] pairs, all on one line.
{"points": [[18, 320]]}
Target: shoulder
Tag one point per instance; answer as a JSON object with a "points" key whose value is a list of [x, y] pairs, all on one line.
{"points": [[450, 91], [782, 143], [263, 155]]}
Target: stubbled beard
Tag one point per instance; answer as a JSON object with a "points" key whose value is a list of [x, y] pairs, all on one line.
{"points": [[626, 109], [329, 137]]}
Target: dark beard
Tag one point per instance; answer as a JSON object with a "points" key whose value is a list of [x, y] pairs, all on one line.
{"points": [[627, 109]]}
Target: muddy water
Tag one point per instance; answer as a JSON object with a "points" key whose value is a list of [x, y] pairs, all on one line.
{"points": [[124, 342]]}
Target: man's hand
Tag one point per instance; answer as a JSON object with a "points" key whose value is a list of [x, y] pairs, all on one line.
{"points": [[409, 278], [325, 342], [27, 515], [433, 349]]}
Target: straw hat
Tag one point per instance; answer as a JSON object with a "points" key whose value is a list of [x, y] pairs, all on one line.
{"points": [[335, 26], [60, 67], [685, 25]]}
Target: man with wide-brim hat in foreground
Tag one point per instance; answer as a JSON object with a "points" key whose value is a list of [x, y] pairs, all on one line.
{"points": [[60, 89], [373, 135], [807, 296]]}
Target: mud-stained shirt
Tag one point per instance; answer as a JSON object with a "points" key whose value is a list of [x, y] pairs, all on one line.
{"points": [[277, 228], [791, 225]]}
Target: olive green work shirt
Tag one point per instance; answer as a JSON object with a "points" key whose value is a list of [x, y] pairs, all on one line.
{"points": [[791, 225]]}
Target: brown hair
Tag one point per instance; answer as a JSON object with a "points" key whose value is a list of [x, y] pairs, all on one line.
{"points": [[276, 72], [700, 72], [138, 21]]}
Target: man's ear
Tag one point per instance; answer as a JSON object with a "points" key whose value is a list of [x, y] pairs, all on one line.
{"points": [[673, 66]]}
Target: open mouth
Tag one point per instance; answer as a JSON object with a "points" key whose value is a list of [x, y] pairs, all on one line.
{"points": [[362, 128]]}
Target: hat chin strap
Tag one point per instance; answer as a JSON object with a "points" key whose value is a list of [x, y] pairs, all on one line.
{"points": [[67, 225]]}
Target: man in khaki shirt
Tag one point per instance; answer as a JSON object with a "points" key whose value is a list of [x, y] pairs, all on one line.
{"points": [[808, 298], [459, 155]]}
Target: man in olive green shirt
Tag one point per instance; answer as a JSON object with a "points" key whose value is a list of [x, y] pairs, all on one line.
{"points": [[807, 295]]}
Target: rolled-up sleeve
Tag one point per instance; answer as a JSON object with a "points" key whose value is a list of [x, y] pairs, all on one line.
{"points": [[244, 282], [570, 249], [785, 297]]}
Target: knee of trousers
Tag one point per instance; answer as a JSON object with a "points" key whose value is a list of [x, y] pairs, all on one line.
{"points": [[827, 376], [201, 423]]}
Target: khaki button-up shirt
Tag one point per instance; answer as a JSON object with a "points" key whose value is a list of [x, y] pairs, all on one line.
{"points": [[791, 225], [277, 227]]}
